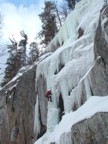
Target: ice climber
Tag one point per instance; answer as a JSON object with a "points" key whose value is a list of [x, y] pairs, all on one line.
{"points": [[49, 95]]}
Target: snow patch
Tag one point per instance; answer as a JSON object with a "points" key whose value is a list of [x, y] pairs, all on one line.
{"points": [[94, 105]]}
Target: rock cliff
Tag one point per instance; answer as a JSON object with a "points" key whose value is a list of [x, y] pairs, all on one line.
{"points": [[17, 100], [99, 73], [91, 131]]}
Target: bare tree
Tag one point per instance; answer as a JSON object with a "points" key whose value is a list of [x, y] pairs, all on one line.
{"points": [[57, 13], [64, 11], [3, 52], [61, 13]]}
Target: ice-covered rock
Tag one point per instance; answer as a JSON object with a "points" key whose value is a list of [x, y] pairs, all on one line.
{"points": [[77, 69]]}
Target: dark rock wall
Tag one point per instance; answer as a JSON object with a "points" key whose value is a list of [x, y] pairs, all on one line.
{"points": [[17, 111], [41, 90], [91, 131], [99, 73]]}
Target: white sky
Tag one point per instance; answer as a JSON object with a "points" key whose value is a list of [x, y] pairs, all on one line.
{"points": [[20, 18], [17, 18]]}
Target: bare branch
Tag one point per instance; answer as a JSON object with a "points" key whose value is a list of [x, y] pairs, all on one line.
{"points": [[23, 34], [14, 43], [3, 52]]}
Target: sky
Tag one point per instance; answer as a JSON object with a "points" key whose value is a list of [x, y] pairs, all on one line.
{"points": [[23, 2], [20, 15]]}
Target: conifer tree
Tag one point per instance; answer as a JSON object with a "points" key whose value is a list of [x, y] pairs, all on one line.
{"points": [[17, 58], [12, 67], [34, 53], [48, 19]]}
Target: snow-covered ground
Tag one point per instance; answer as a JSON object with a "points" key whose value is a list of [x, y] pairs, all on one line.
{"points": [[93, 105], [67, 67]]}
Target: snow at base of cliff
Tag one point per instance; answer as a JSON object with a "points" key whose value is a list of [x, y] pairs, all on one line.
{"points": [[92, 106], [66, 72]]}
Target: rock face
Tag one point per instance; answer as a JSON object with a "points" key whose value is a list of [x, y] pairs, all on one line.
{"points": [[99, 73], [41, 89], [91, 131], [17, 110]]}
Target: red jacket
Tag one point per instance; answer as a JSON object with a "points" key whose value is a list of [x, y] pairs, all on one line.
{"points": [[48, 93]]}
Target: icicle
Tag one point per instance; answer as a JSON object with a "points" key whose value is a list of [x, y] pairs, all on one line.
{"points": [[52, 117], [36, 119]]}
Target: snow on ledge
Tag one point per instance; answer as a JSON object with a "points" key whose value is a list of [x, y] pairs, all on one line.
{"points": [[94, 105]]}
